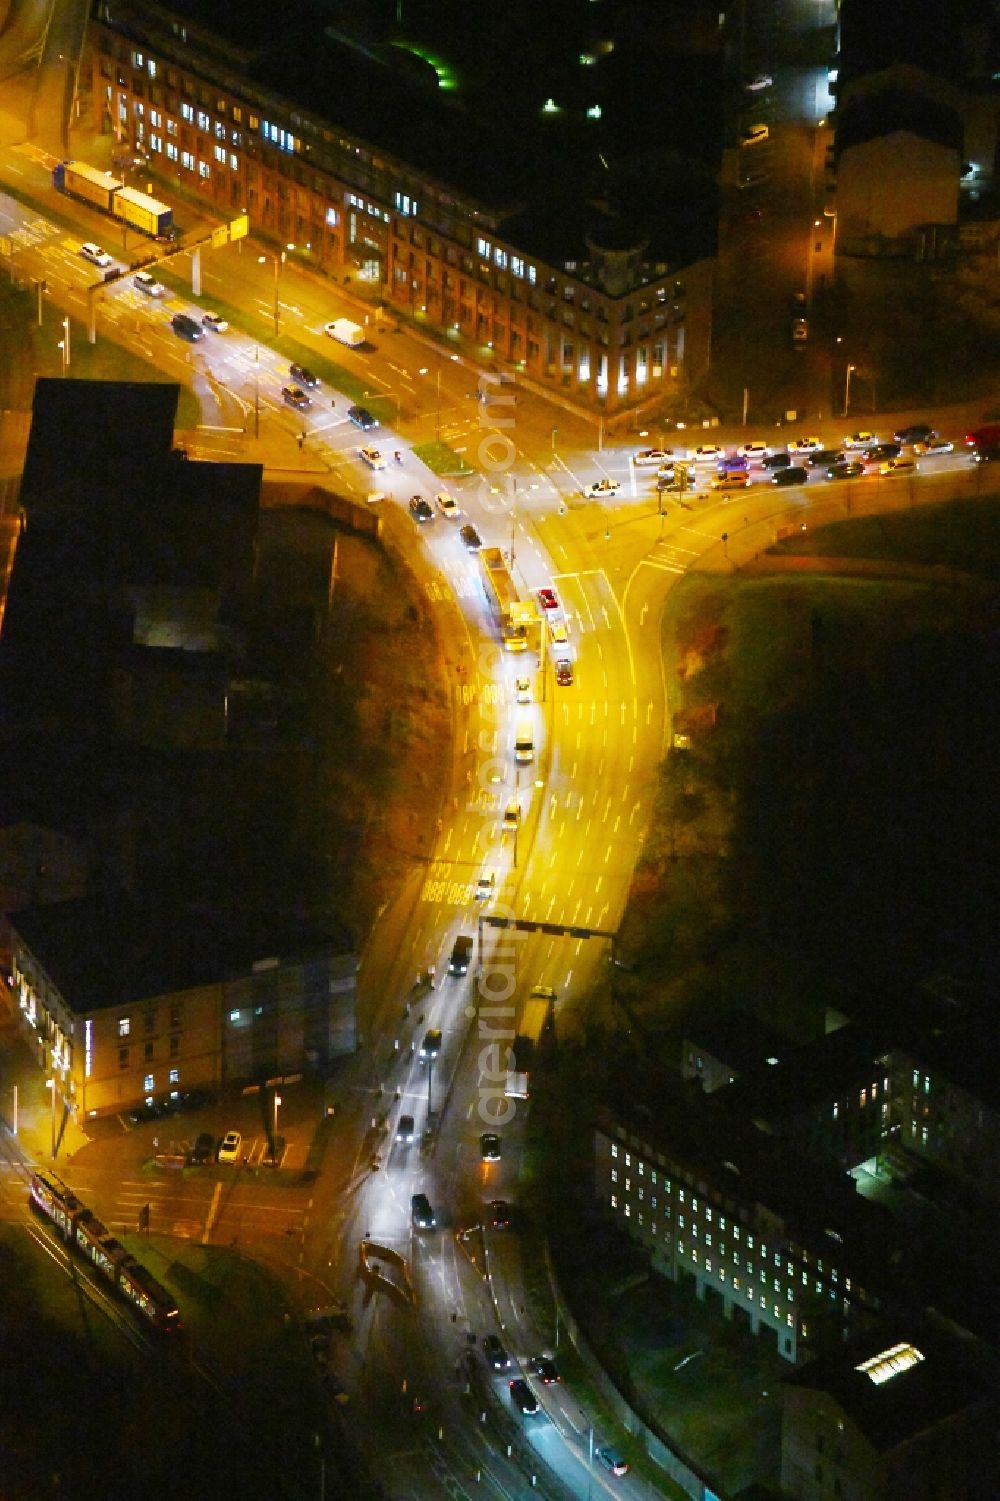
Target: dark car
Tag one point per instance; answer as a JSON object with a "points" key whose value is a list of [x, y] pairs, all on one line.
{"points": [[795, 474], [421, 1212], [304, 376], [846, 469], [881, 451], [294, 396], [824, 456], [186, 328], [776, 460], [149, 1110], [203, 1149], [500, 1215], [985, 455], [564, 672], [494, 1353], [610, 1458], [188, 1099], [544, 1368], [522, 1396], [917, 432], [362, 417], [431, 1045], [419, 509], [473, 541], [461, 955], [489, 1146]]}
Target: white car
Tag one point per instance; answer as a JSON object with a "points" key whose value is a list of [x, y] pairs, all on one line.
{"points": [[754, 452], [649, 456], [758, 84], [214, 322], [372, 457], [145, 281], [522, 690], [707, 453], [486, 885], [860, 440], [558, 633], [94, 254], [229, 1147], [933, 445], [602, 487], [804, 445], [447, 504]]}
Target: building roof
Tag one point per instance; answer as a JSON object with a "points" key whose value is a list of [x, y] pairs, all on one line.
{"points": [[875, 34], [908, 1394], [741, 1041], [956, 1037], [110, 950], [894, 111], [800, 1078], [817, 1204]]}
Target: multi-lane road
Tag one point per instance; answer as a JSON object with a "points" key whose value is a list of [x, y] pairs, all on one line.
{"points": [[586, 799]]}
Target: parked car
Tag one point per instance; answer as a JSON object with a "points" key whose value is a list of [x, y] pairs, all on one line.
{"points": [[795, 474], [847, 469], [754, 452], [149, 1110], [932, 445], [916, 432], [601, 487], [821, 458], [804, 445], [879, 452], [214, 322], [204, 1147], [706, 451], [648, 456], [229, 1147], [737, 481], [861, 440], [777, 461]]}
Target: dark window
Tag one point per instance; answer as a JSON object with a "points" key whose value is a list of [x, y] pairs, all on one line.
{"points": [[123, 1057]]}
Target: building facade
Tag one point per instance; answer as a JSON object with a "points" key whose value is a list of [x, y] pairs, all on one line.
{"points": [[764, 1262], [116, 1016], [609, 326]]}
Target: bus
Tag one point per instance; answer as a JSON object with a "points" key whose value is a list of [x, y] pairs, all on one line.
{"points": [[510, 613]]}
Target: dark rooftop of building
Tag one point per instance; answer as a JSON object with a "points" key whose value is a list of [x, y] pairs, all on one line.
{"points": [[911, 1394], [875, 34], [816, 1203], [110, 950], [957, 1037], [800, 1078], [871, 117], [741, 1041], [475, 127]]}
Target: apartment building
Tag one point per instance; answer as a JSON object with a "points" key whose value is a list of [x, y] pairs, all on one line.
{"points": [[125, 1002], [782, 1242], [577, 293]]}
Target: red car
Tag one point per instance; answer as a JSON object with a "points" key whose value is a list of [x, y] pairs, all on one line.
{"points": [[547, 599]]}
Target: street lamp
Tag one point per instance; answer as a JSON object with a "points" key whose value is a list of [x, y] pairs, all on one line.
{"points": [[51, 1085], [437, 381], [278, 261], [847, 388]]}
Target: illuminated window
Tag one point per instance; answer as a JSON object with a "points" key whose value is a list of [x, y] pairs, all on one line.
{"points": [[234, 1016], [171, 151], [517, 266], [138, 60], [152, 67], [149, 1084], [237, 113], [777, 1284], [614, 1175], [777, 1311], [500, 258], [532, 275], [614, 1149], [174, 1076], [681, 1195], [790, 1320], [628, 1211], [628, 1160], [187, 160], [187, 113], [220, 130], [736, 1284], [204, 170], [614, 1201], [124, 1026], [680, 1221], [220, 154], [203, 121], [155, 119], [888, 1363], [483, 247], [708, 1237], [171, 127], [234, 162]]}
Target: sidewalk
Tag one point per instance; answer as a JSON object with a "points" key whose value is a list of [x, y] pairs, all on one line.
{"points": [[26, 1114]]}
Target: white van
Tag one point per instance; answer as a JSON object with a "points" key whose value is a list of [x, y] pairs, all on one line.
{"points": [[524, 743]]}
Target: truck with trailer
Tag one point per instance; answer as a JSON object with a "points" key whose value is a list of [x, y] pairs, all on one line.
{"points": [[144, 213], [525, 1045], [105, 191], [346, 332]]}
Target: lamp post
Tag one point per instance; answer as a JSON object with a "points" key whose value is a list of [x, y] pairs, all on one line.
{"points": [[847, 388], [50, 1084], [437, 384], [274, 1127], [278, 261]]}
